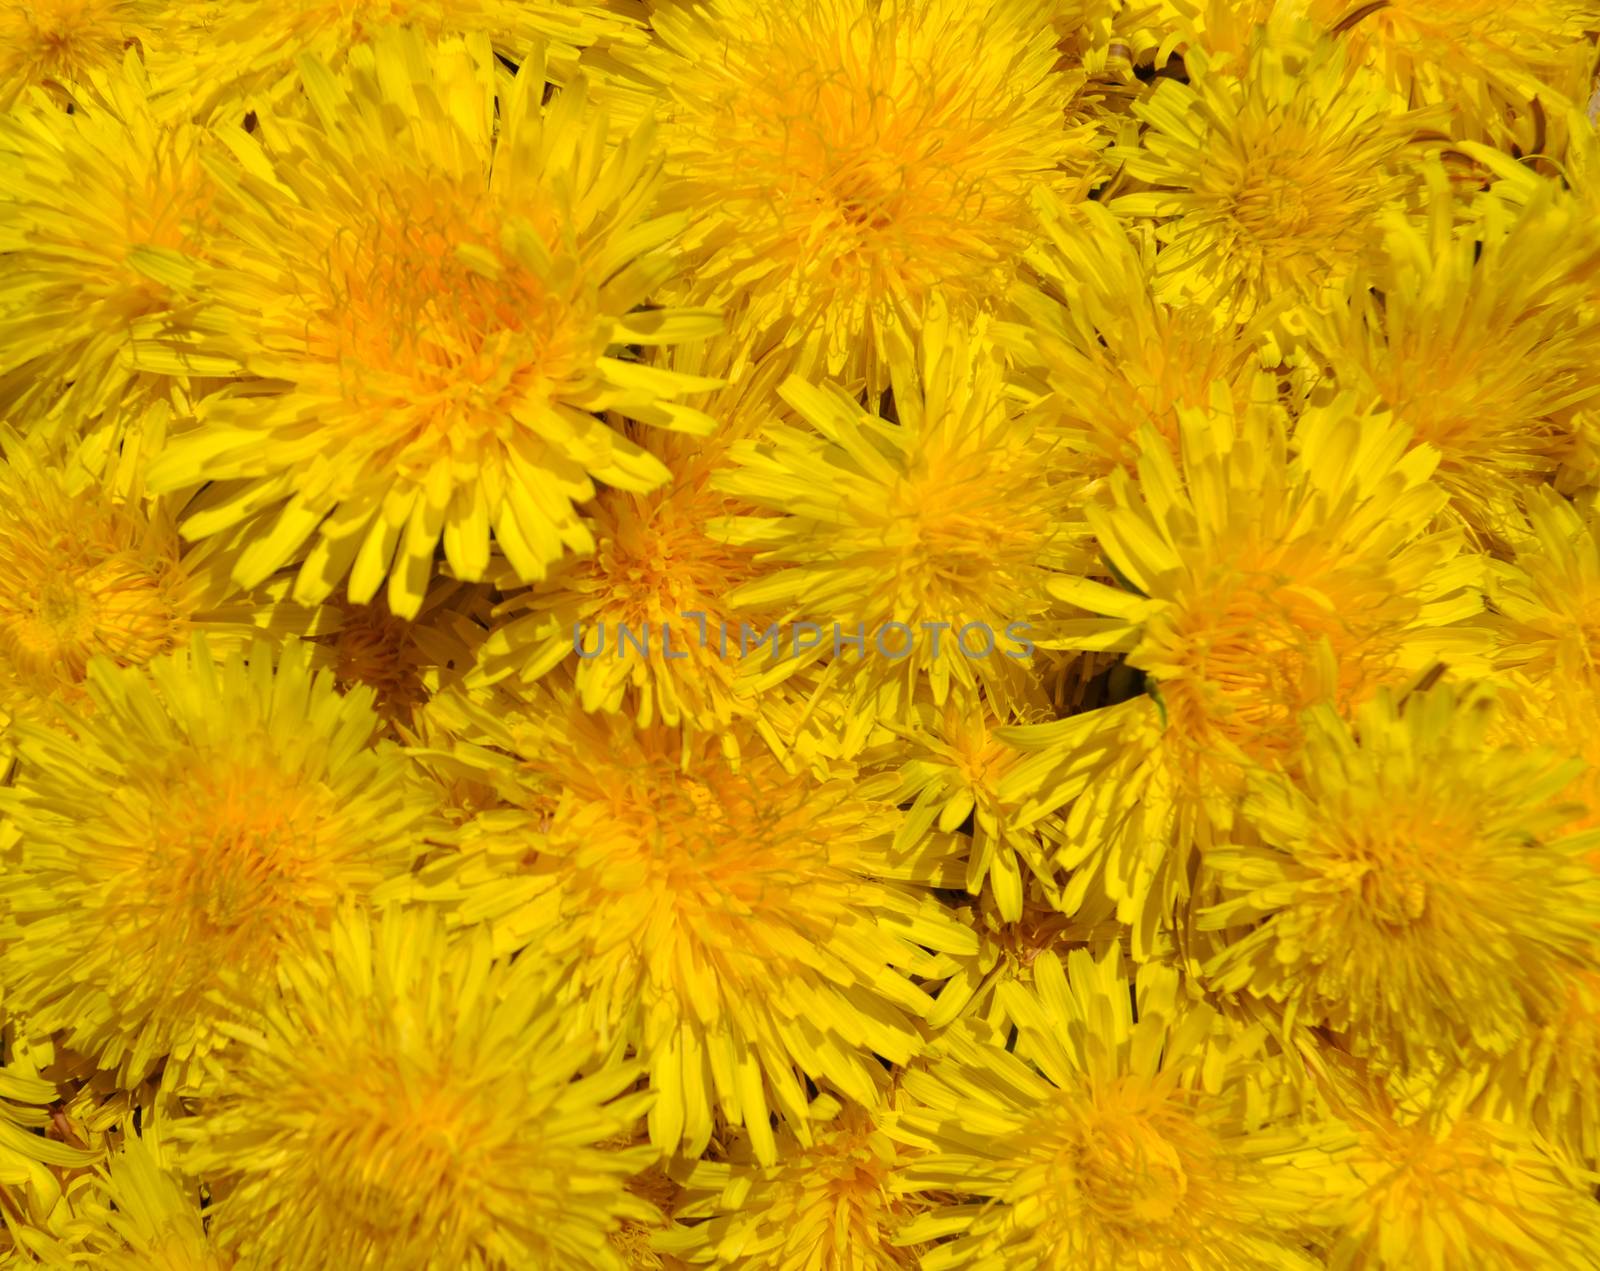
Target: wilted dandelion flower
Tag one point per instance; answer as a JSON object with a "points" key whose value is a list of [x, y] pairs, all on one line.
{"points": [[948, 525], [827, 1206], [437, 302], [844, 161], [96, 206], [1271, 173], [198, 821], [1256, 586], [413, 1104], [1412, 890], [1102, 1143], [740, 927]]}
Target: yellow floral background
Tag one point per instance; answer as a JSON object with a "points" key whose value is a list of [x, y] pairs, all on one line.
{"points": [[364, 362]]}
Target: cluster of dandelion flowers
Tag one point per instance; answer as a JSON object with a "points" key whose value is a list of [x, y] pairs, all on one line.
{"points": [[1253, 586], [430, 303], [855, 635], [465, 1131], [205, 816]]}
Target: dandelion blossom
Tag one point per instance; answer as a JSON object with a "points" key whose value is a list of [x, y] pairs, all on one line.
{"points": [[1480, 344], [948, 763], [1271, 175], [405, 662], [60, 44], [141, 1213], [1412, 891], [739, 925], [88, 569], [198, 821], [1547, 599], [434, 288], [414, 1104], [97, 207], [844, 161], [1551, 1080], [948, 525], [1102, 1143], [1441, 1191]]}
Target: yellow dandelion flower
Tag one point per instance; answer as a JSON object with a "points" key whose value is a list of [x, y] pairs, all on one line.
{"points": [[61, 44], [1104, 1143], [1112, 358], [95, 205], [142, 1214], [658, 572], [88, 569], [1256, 586], [1440, 1191], [1271, 174], [1412, 890], [948, 764], [1550, 1081], [883, 154], [1562, 715], [1546, 601], [738, 926], [1485, 60], [827, 1206], [1481, 344], [413, 1104], [931, 540], [248, 51], [441, 284], [199, 821]]}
